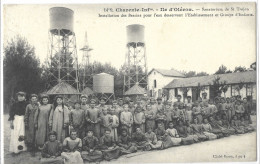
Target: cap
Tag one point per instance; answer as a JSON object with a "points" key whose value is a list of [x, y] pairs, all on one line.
{"points": [[92, 101], [84, 96], [34, 95], [204, 93], [169, 102], [114, 101], [159, 98], [188, 96], [59, 96], [21, 93], [45, 96]]}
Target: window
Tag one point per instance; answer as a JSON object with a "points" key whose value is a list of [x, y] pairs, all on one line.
{"points": [[249, 90], [154, 84]]}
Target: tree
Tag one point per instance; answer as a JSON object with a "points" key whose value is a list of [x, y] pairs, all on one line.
{"points": [[221, 70], [21, 69], [202, 74], [240, 69]]}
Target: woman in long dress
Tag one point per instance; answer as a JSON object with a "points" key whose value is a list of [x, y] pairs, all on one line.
{"points": [[16, 118], [59, 119], [42, 121]]}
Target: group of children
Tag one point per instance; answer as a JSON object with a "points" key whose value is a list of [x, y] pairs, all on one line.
{"points": [[91, 132]]}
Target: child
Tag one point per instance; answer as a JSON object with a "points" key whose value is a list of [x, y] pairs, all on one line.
{"points": [[108, 147], [16, 118], [59, 119], [229, 107], [115, 123], [93, 118], [160, 118], [197, 112], [77, 119], [90, 146], [125, 143], [163, 137], [236, 124], [105, 122], [197, 129], [51, 150], [139, 140], [149, 117], [183, 134], [71, 149], [29, 120], [206, 129], [139, 118], [42, 121], [189, 104], [169, 113], [247, 127], [226, 125], [152, 140], [239, 108], [126, 119], [173, 134]]}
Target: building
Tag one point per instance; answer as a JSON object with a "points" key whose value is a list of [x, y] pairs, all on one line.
{"points": [[239, 83], [159, 78]]}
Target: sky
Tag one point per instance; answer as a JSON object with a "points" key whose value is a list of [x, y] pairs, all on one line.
{"points": [[189, 44]]}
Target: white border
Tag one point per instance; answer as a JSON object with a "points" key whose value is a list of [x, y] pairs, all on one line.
{"points": [[125, 1]]}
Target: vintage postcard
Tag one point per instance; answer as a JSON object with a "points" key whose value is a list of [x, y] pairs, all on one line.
{"points": [[129, 83]]}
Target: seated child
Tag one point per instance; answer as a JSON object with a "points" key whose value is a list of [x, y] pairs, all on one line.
{"points": [[71, 149], [139, 140], [108, 147], [163, 136], [247, 127], [152, 140], [90, 146], [51, 150], [125, 143], [236, 124], [197, 129], [172, 132], [226, 125], [207, 129]]}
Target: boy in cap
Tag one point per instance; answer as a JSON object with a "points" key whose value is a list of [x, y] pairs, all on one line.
{"points": [[51, 151], [16, 118], [139, 118], [93, 118], [30, 120], [77, 119], [126, 119], [116, 108], [149, 117]]}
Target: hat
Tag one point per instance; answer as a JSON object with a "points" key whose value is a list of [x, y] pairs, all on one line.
{"points": [[188, 97], [120, 99], [178, 95], [77, 102], [52, 133], [92, 101], [114, 101], [45, 96], [103, 99], [84, 96], [21, 93], [159, 98], [59, 96], [169, 102], [204, 93], [34, 95]]}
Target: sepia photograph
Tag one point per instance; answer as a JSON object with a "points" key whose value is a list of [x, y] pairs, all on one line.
{"points": [[129, 82]]}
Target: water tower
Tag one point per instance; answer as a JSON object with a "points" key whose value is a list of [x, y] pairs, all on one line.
{"points": [[85, 75], [135, 58], [63, 60], [103, 86]]}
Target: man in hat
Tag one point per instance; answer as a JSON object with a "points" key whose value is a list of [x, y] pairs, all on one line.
{"points": [[93, 118]]}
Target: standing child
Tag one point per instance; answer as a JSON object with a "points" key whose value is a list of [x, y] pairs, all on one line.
{"points": [[126, 119], [71, 149], [16, 118], [169, 113], [77, 119], [59, 119], [149, 117], [105, 122], [197, 112], [139, 118], [239, 108], [51, 150], [115, 123], [42, 121], [29, 120]]}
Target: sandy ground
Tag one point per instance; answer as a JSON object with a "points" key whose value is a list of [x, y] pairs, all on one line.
{"points": [[239, 148]]}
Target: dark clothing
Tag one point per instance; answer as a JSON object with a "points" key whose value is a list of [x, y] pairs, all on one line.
{"points": [[18, 108], [51, 149], [90, 143]]}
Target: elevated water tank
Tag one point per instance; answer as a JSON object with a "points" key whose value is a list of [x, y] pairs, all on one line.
{"points": [[62, 19], [135, 33], [103, 83]]}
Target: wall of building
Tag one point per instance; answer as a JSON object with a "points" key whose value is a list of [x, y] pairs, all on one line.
{"points": [[243, 92], [161, 81]]}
